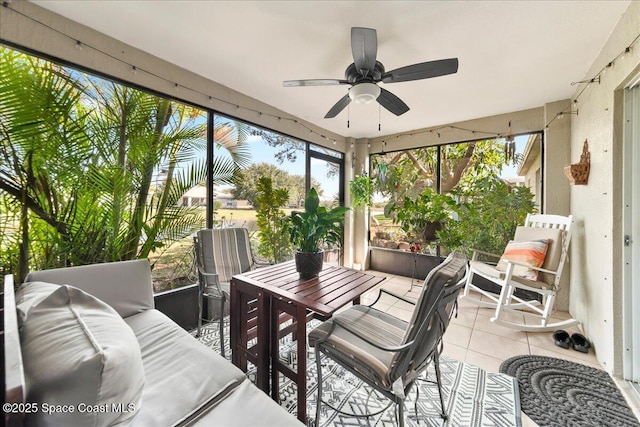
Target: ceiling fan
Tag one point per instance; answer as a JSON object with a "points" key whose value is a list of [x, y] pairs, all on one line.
{"points": [[366, 72]]}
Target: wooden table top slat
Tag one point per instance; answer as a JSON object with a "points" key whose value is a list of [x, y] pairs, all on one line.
{"points": [[334, 287]]}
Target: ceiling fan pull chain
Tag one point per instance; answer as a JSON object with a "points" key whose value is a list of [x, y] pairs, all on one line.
{"points": [[348, 115], [378, 117]]}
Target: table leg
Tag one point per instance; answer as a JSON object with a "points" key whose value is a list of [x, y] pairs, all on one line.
{"points": [[301, 331], [234, 324], [263, 338], [275, 351]]}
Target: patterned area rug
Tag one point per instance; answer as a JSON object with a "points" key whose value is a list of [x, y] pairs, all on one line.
{"points": [[556, 392], [472, 396]]}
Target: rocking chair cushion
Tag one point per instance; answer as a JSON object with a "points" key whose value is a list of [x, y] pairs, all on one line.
{"points": [[554, 250], [529, 252]]}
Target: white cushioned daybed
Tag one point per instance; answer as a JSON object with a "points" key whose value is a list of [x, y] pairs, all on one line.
{"points": [[96, 353]]}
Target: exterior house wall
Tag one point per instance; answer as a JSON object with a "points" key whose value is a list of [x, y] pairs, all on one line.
{"points": [[596, 251], [532, 166]]}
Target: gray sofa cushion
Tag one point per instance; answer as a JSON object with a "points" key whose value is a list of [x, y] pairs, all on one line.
{"points": [[245, 406], [77, 352], [181, 373], [126, 285]]}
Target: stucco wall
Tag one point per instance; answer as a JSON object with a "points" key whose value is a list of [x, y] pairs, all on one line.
{"points": [[596, 251]]}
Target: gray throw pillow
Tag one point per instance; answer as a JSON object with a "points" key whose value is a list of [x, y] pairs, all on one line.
{"points": [[82, 362]]}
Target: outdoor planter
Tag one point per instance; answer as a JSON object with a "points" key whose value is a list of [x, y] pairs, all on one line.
{"points": [[402, 263], [180, 305]]}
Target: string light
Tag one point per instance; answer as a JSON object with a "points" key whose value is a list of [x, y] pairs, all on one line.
{"points": [[134, 69], [79, 45], [588, 82]]}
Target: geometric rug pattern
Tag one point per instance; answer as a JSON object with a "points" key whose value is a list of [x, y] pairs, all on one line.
{"points": [[473, 397], [557, 392]]}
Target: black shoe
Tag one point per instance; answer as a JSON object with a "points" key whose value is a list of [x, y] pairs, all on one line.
{"points": [[561, 338], [580, 343]]}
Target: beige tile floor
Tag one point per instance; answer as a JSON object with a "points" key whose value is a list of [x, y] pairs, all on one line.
{"points": [[473, 338]]}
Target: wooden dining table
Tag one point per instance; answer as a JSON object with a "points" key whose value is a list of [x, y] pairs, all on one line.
{"points": [[268, 293]]}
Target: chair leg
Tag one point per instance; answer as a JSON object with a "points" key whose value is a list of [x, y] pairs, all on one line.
{"points": [[222, 326], [400, 406], [319, 382], [467, 284], [199, 329], [436, 364], [502, 301], [548, 306]]}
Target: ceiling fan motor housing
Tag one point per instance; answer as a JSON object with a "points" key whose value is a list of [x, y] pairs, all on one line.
{"points": [[365, 92], [353, 76]]}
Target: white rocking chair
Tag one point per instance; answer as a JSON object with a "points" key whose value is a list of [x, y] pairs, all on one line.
{"points": [[557, 229]]}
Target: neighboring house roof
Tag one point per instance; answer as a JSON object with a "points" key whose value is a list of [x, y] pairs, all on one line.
{"points": [[200, 191]]}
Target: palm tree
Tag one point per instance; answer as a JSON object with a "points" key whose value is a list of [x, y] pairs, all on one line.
{"points": [[83, 158]]}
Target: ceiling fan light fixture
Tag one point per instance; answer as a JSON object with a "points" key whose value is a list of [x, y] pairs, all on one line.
{"points": [[364, 93]]}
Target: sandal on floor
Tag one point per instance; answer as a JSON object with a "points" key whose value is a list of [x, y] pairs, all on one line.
{"points": [[580, 343], [561, 338]]}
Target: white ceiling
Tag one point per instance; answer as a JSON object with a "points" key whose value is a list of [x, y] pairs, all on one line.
{"points": [[513, 55]]}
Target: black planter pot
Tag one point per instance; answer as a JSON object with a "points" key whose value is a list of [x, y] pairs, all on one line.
{"points": [[430, 229], [309, 264]]}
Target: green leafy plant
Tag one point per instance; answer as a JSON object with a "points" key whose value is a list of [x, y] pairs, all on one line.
{"points": [[490, 216], [416, 216], [317, 225], [361, 188], [274, 241]]}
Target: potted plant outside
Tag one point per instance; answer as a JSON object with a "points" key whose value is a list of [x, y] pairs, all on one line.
{"points": [[311, 229], [361, 188], [425, 215]]}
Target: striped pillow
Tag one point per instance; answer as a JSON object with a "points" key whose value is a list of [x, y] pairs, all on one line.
{"points": [[530, 252]]}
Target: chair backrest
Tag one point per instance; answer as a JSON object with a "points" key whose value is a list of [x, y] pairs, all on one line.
{"points": [[224, 251], [431, 315], [557, 228]]}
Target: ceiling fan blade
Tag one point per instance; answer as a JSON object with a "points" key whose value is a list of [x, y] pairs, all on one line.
{"points": [[314, 82], [364, 47], [340, 105], [392, 102], [423, 70]]}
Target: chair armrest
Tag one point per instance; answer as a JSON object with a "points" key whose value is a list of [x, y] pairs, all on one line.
{"points": [[540, 269], [477, 252], [393, 295], [260, 264], [205, 274]]}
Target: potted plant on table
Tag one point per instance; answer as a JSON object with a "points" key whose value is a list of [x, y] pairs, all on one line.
{"points": [[310, 230]]}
